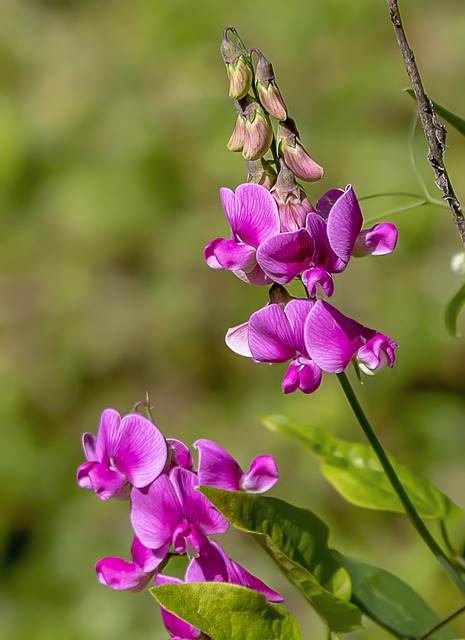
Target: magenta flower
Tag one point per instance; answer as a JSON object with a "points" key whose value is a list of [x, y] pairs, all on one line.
{"points": [[178, 455], [177, 628], [323, 247], [171, 511], [275, 335], [217, 468], [215, 566], [332, 340], [376, 241], [134, 576], [253, 215], [128, 451]]}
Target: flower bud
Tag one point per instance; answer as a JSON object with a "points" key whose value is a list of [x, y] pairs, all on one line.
{"points": [[238, 68], [258, 132], [267, 89], [236, 141], [295, 156], [293, 205], [261, 172]]}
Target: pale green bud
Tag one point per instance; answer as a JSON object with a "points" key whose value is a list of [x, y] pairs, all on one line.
{"points": [[295, 156], [238, 68], [267, 89], [258, 133]]}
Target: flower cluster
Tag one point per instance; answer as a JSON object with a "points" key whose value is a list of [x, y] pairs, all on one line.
{"points": [[277, 235], [129, 458]]}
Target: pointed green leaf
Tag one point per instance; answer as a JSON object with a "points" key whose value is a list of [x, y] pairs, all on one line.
{"points": [[454, 306], [391, 602], [227, 611], [297, 540], [356, 473], [456, 121]]}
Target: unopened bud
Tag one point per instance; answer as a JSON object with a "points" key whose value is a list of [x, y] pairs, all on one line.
{"points": [[236, 141], [295, 156], [267, 89], [258, 132], [279, 295], [238, 67], [261, 172], [293, 204]]}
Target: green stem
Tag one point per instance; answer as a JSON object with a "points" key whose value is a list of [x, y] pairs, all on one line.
{"points": [[398, 487], [442, 623]]}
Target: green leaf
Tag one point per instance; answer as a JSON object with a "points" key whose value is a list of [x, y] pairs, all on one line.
{"points": [[391, 602], [297, 540], [454, 306], [356, 473], [226, 611], [456, 121]]}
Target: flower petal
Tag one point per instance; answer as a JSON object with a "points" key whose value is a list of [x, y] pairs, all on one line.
{"points": [[318, 281], [156, 512], [344, 224], [232, 255], [216, 468], [177, 628], [107, 435], [262, 475], [377, 241], [303, 374], [197, 510], [326, 202], [180, 454], [256, 276], [332, 339], [237, 339], [107, 482], [270, 336], [140, 450], [296, 311], [286, 255], [118, 574], [376, 354], [89, 443], [147, 559], [254, 214]]}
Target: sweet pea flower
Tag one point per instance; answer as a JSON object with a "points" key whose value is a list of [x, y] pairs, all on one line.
{"points": [[323, 247], [177, 628], [134, 576], [128, 451], [217, 468], [253, 215], [379, 240], [332, 340], [171, 511], [215, 566], [275, 334]]}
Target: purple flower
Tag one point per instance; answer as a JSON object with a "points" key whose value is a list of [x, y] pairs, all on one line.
{"points": [[253, 215], [376, 241], [177, 628], [171, 511], [332, 340], [217, 468], [215, 566], [134, 576], [126, 451], [178, 455], [323, 247], [275, 335]]}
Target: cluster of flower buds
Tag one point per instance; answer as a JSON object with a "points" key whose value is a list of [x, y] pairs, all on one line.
{"points": [[129, 458], [277, 235]]}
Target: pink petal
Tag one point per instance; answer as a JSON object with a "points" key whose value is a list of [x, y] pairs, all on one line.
{"points": [[344, 224], [332, 339], [254, 214], [180, 454], [119, 574], [156, 512], [262, 475], [270, 336], [257, 276], [107, 482], [296, 311], [232, 255], [237, 339], [377, 354], [147, 559], [286, 255], [197, 510], [326, 202], [140, 450], [323, 255], [377, 241], [302, 374], [177, 628], [318, 281], [216, 467], [89, 443], [107, 435]]}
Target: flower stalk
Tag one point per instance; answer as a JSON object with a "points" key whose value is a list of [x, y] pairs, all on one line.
{"points": [[398, 487]]}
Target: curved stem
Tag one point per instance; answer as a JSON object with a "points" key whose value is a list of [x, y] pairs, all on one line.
{"points": [[398, 487], [443, 623]]}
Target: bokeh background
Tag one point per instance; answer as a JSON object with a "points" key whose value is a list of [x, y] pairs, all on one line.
{"points": [[113, 122]]}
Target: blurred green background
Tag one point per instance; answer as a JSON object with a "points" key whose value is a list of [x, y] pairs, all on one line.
{"points": [[113, 122]]}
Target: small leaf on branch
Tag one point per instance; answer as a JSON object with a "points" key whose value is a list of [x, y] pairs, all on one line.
{"points": [[454, 306], [297, 540], [356, 473], [226, 611], [390, 602], [456, 121]]}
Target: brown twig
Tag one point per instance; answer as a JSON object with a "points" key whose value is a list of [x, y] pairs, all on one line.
{"points": [[435, 132]]}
